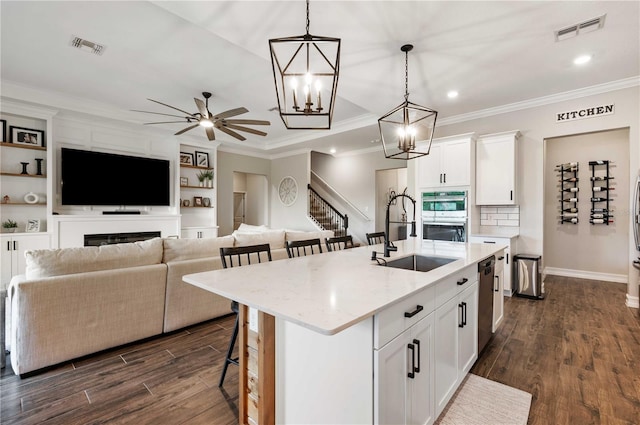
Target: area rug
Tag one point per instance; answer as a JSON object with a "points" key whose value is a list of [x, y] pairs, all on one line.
{"points": [[480, 401]]}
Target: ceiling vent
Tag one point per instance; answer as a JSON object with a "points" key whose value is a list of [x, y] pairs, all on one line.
{"points": [[581, 28], [87, 46]]}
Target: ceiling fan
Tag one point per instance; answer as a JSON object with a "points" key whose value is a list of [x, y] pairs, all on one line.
{"points": [[210, 121]]}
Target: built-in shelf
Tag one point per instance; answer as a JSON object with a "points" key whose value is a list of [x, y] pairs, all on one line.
{"points": [[195, 206], [197, 167], [13, 145], [41, 176], [37, 204], [196, 187]]}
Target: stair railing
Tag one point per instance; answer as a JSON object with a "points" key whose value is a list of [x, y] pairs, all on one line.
{"points": [[331, 218]]}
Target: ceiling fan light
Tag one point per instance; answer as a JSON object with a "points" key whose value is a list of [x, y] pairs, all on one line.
{"points": [[206, 123]]}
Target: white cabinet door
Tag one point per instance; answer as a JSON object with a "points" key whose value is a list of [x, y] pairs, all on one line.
{"points": [[13, 249], [390, 364], [508, 288], [467, 330], [429, 168], [422, 403], [404, 377], [496, 157], [446, 352], [455, 161]]}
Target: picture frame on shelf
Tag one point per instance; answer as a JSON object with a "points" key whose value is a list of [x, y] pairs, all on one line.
{"points": [[33, 226], [206, 202], [186, 158], [186, 203], [197, 201], [184, 181], [3, 130], [202, 159], [26, 136]]}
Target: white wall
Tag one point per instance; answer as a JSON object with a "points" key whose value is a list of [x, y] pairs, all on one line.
{"points": [[293, 216], [257, 199], [537, 124], [575, 248]]}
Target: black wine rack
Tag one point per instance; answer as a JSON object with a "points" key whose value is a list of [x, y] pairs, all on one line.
{"points": [[568, 176], [600, 193]]}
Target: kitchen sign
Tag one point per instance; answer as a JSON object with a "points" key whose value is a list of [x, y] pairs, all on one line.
{"points": [[578, 114]]}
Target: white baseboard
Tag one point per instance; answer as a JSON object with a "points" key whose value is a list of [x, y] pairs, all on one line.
{"points": [[581, 274], [633, 302]]}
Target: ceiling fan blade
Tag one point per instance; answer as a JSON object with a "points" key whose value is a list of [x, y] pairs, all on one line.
{"points": [[230, 113], [231, 132], [210, 134], [248, 122], [247, 129], [172, 107], [159, 113], [184, 130], [163, 122], [202, 108]]}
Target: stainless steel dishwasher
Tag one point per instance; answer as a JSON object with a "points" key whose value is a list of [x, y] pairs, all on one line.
{"points": [[485, 301]]}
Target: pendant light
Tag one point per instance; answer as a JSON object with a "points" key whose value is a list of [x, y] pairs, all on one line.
{"points": [[305, 72], [406, 131]]}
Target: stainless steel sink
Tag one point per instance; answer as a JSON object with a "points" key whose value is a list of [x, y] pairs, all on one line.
{"points": [[419, 263]]}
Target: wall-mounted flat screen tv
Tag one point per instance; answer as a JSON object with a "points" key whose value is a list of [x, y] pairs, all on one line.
{"points": [[98, 178]]}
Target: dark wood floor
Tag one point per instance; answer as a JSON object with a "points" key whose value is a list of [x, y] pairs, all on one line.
{"points": [[577, 352]]}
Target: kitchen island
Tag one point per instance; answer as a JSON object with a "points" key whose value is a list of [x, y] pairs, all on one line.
{"points": [[330, 333]]}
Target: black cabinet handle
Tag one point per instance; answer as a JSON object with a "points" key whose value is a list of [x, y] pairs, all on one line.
{"points": [[417, 343], [460, 323], [489, 242], [445, 177], [497, 287], [413, 361], [418, 309], [507, 258], [464, 314], [440, 177], [501, 258], [15, 245], [511, 195], [463, 281], [8, 245]]}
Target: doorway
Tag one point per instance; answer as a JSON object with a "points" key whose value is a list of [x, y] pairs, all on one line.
{"points": [[250, 199], [389, 183], [239, 212]]}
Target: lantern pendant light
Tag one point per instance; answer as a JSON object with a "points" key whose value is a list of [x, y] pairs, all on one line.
{"points": [[305, 73], [406, 131]]}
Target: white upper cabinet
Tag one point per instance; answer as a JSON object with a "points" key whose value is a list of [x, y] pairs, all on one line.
{"points": [[496, 158], [450, 162]]}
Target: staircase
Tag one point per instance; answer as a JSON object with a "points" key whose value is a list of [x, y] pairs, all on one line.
{"points": [[325, 215]]}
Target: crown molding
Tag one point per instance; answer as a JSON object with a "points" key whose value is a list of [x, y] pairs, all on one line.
{"points": [[542, 101]]}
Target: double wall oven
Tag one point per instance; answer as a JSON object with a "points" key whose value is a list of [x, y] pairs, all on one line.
{"points": [[444, 216]]}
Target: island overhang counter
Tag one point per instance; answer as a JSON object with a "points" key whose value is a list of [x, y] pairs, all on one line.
{"points": [[313, 328]]}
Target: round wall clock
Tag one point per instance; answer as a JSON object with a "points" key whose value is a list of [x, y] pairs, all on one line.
{"points": [[288, 190]]}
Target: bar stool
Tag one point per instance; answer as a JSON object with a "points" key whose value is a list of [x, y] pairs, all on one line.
{"points": [[313, 246], [227, 255], [376, 238], [339, 242]]}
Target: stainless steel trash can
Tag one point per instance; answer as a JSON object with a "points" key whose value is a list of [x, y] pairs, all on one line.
{"points": [[528, 276]]}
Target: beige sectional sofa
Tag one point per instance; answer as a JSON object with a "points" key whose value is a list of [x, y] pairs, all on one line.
{"points": [[73, 302]]}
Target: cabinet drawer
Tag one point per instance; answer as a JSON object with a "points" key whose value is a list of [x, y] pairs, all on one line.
{"points": [[393, 320], [451, 286]]}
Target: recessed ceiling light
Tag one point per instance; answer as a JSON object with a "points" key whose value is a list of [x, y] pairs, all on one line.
{"points": [[581, 60], [332, 150], [452, 94]]}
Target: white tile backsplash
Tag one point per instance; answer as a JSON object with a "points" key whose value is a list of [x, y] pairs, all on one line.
{"points": [[500, 216]]}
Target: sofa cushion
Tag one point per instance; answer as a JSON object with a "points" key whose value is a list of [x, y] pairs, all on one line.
{"points": [[250, 228], [55, 262], [297, 235], [191, 249], [275, 238]]}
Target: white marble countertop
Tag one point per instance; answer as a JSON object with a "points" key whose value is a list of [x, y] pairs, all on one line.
{"points": [[496, 232], [332, 291]]}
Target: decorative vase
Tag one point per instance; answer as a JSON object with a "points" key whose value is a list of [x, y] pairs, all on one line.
{"points": [[39, 165], [210, 183], [201, 184]]}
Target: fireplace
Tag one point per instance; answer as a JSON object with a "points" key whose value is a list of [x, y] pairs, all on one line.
{"points": [[113, 238]]}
